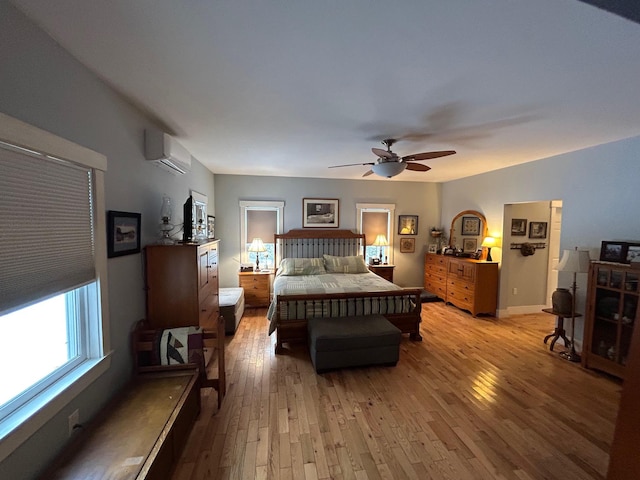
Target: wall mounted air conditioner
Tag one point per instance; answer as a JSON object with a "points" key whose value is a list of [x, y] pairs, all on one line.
{"points": [[166, 152]]}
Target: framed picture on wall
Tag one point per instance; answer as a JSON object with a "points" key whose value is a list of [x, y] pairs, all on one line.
{"points": [[537, 229], [123, 233], [320, 213], [407, 245], [407, 224], [469, 245], [518, 226], [211, 225], [470, 226]]}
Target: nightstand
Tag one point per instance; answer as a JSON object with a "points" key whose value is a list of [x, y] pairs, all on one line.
{"points": [[257, 288], [384, 271]]}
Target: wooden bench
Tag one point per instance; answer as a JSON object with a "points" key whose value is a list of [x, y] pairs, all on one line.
{"points": [[139, 435], [143, 339]]}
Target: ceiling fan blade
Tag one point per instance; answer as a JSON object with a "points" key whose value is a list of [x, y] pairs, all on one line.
{"points": [[427, 155], [382, 153], [418, 167], [352, 165], [370, 172]]}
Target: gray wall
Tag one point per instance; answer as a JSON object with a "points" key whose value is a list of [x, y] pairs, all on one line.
{"points": [[598, 187], [43, 85], [410, 198]]}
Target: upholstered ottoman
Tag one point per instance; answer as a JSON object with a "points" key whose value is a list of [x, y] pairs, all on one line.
{"points": [[231, 307], [353, 342]]}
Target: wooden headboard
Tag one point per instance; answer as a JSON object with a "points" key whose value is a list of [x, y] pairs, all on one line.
{"points": [[315, 243]]}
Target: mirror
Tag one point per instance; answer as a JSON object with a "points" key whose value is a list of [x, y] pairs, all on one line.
{"points": [[199, 226], [468, 229]]}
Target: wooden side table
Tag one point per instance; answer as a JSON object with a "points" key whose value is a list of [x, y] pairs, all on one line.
{"points": [[384, 271], [257, 288], [558, 332]]}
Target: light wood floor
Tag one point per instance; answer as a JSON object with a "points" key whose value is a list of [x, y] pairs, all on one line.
{"points": [[476, 399]]}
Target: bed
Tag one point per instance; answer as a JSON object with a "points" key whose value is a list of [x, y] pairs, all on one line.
{"points": [[322, 274]]}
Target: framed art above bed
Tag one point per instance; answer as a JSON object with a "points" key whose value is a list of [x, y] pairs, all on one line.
{"points": [[320, 212]]}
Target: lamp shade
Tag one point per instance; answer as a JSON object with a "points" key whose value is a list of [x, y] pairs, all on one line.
{"points": [[574, 261], [257, 245], [489, 242], [380, 241], [388, 169]]}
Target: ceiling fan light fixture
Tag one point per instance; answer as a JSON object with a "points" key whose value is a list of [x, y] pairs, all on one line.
{"points": [[388, 169]]}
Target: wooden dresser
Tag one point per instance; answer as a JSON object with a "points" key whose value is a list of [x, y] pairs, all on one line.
{"points": [[182, 285], [257, 288], [182, 291], [468, 284]]}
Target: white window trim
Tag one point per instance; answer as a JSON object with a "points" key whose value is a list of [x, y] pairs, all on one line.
{"points": [[389, 208], [258, 205], [24, 422]]}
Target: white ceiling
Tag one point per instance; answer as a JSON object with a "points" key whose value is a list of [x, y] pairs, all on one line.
{"points": [[289, 88]]}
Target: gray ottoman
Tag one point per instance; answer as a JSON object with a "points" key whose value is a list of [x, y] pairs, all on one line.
{"points": [[353, 342]]}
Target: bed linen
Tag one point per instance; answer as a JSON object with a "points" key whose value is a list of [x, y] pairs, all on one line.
{"points": [[334, 283]]}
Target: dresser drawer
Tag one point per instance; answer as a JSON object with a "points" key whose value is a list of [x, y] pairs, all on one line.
{"points": [[257, 288]]}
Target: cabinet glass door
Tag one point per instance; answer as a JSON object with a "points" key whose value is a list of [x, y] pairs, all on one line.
{"points": [[616, 305]]}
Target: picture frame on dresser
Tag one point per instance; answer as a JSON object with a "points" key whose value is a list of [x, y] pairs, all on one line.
{"points": [[613, 251], [123, 233]]}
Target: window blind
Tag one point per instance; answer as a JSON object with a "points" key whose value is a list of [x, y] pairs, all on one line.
{"points": [[374, 224], [261, 224], [46, 227]]}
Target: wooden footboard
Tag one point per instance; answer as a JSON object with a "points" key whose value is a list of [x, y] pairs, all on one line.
{"points": [[292, 311]]}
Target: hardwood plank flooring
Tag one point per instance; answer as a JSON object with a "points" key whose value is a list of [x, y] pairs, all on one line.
{"points": [[478, 398]]}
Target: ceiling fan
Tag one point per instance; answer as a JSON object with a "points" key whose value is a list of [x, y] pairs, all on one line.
{"points": [[389, 164]]}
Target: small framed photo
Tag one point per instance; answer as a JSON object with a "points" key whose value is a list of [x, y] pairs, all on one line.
{"points": [[470, 226], [469, 245], [320, 213], [211, 226], [518, 227], [407, 224], [123, 233], [613, 252], [633, 253], [432, 248], [537, 229], [407, 245]]}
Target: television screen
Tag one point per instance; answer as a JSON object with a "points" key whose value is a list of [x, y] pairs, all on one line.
{"points": [[187, 228]]}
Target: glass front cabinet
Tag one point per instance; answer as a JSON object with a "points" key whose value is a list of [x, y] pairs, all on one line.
{"points": [[612, 312]]}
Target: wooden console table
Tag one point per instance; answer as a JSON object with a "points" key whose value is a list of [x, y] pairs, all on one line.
{"points": [[558, 332]]}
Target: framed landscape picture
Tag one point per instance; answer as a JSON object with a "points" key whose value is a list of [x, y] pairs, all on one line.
{"points": [[320, 213], [123, 233]]}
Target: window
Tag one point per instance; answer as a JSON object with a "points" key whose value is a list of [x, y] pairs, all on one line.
{"points": [[376, 219], [53, 264], [260, 219]]}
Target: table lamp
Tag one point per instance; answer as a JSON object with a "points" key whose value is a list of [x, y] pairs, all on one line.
{"points": [[380, 241], [489, 242], [257, 246], [573, 261]]}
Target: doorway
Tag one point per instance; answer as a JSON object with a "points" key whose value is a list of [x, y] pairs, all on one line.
{"points": [[528, 280]]}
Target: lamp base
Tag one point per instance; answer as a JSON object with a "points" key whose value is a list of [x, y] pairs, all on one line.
{"points": [[571, 355]]}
